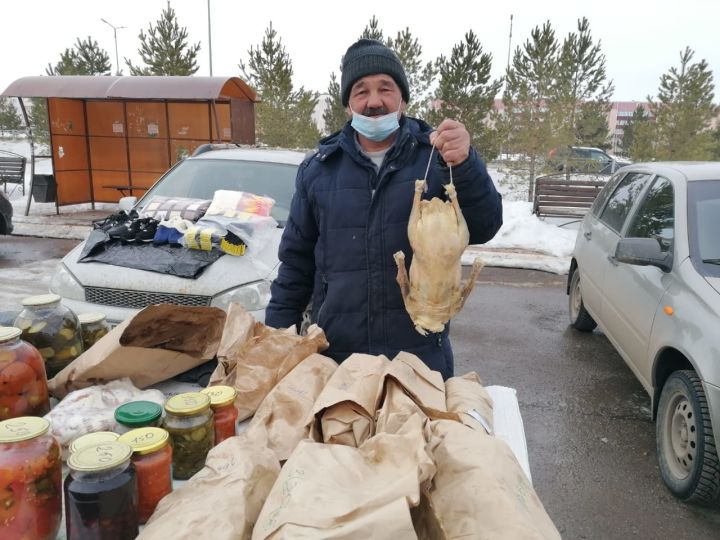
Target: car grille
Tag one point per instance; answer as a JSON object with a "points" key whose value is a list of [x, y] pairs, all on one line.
{"points": [[141, 299]]}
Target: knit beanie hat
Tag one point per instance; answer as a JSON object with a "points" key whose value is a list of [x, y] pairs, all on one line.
{"points": [[370, 57]]}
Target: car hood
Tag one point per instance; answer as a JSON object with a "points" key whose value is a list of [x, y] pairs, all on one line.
{"points": [[226, 273], [714, 283]]}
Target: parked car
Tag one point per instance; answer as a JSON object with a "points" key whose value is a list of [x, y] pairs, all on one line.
{"points": [[582, 159], [6, 214], [646, 270], [119, 292]]}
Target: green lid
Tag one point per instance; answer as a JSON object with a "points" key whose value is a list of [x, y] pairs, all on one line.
{"points": [[138, 413]]}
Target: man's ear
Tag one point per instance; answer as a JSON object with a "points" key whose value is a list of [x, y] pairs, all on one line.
{"points": [[348, 112]]}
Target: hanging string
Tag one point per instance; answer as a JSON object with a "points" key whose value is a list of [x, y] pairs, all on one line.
{"points": [[427, 170]]}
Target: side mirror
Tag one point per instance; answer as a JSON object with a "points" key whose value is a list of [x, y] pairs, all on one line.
{"points": [[127, 203], [643, 252]]}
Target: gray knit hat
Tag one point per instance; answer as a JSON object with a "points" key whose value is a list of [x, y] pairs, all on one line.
{"points": [[370, 57]]}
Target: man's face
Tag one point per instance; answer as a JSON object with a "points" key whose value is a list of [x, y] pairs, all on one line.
{"points": [[375, 95]]}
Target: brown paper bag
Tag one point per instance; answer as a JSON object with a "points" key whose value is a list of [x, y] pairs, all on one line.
{"points": [[479, 490], [253, 357], [331, 491], [222, 501], [397, 408], [423, 385], [280, 422], [344, 411], [467, 397], [156, 344]]}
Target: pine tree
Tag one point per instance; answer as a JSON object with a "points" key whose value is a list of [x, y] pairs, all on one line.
{"points": [[284, 116], [334, 116], [164, 49], [684, 111], [420, 77], [591, 127], [372, 31], [582, 78], [85, 58], [465, 93], [9, 117], [530, 84], [638, 118], [39, 124]]}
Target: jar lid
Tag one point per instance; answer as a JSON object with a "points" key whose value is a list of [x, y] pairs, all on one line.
{"points": [[187, 403], [137, 413], [89, 318], [40, 300], [145, 440], [9, 332], [100, 456], [22, 428], [90, 439], [220, 395]]}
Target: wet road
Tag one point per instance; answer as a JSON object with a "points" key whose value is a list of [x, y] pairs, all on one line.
{"points": [[591, 442]]}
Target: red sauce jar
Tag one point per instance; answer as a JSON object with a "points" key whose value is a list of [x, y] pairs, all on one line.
{"points": [[222, 401], [30, 480], [152, 458], [23, 384]]}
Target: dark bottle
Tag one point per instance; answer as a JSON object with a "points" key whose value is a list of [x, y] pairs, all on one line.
{"points": [[101, 494]]}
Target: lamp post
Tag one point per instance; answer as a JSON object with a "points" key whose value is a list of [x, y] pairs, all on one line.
{"points": [[115, 29], [209, 37]]}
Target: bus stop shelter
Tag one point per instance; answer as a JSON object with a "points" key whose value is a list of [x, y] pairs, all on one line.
{"points": [[112, 136]]}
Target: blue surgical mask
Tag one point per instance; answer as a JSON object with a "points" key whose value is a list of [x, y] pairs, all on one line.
{"points": [[375, 128]]}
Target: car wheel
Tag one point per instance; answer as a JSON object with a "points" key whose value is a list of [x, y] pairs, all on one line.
{"points": [[580, 319], [685, 445]]}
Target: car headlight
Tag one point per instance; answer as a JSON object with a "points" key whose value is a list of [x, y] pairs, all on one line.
{"points": [[251, 297], [64, 283]]}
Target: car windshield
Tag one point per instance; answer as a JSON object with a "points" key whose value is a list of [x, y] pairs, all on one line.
{"points": [[703, 226], [200, 178]]}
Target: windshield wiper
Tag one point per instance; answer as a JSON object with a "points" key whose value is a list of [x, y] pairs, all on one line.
{"points": [[711, 261]]}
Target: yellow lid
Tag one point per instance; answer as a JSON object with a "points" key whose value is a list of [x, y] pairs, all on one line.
{"points": [[8, 333], [100, 456], [40, 300], [92, 438], [89, 318], [187, 403], [220, 395], [22, 428], [145, 440]]}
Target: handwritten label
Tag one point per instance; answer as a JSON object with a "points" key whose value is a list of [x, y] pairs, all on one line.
{"points": [[118, 127]]}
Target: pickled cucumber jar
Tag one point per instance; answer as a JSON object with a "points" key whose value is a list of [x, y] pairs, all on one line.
{"points": [[52, 329], [225, 415], [23, 384], [30, 480], [189, 421], [101, 494], [93, 326]]}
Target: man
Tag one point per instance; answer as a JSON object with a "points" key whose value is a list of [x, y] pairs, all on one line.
{"points": [[350, 214]]}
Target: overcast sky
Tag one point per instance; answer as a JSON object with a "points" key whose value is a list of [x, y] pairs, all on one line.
{"points": [[641, 39]]}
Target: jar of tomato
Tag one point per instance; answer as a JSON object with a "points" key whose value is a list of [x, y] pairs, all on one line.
{"points": [[23, 384], [101, 493], [222, 401], [51, 328], [189, 421], [30, 480], [152, 457]]}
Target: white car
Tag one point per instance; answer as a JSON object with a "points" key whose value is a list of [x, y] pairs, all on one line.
{"points": [[119, 292], [646, 270]]}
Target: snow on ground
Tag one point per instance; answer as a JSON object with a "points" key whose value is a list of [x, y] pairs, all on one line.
{"points": [[524, 241]]}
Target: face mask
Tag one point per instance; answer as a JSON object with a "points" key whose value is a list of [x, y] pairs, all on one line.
{"points": [[375, 128]]}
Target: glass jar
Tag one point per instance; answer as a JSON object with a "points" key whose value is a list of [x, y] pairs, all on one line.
{"points": [[93, 326], [30, 480], [101, 493], [23, 384], [51, 328], [189, 421], [137, 414], [90, 439], [222, 401], [152, 457]]}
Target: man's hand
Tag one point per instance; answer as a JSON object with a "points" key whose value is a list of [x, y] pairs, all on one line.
{"points": [[452, 141]]}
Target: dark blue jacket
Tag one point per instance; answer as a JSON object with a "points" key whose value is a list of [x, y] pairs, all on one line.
{"points": [[338, 244]]}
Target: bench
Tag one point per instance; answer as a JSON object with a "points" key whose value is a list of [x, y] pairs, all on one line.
{"points": [[558, 196], [12, 169]]}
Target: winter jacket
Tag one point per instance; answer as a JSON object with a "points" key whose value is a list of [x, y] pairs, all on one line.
{"points": [[338, 244]]}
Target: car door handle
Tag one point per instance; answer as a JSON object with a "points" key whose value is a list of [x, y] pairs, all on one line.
{"points": [[612, 260], [587, 235]]}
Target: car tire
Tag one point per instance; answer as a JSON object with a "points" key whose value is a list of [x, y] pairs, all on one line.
{"points": [[580, 319], [686, 449]]}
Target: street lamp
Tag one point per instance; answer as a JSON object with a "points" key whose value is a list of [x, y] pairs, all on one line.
{"points": [[209, 36], [115, 29]]}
